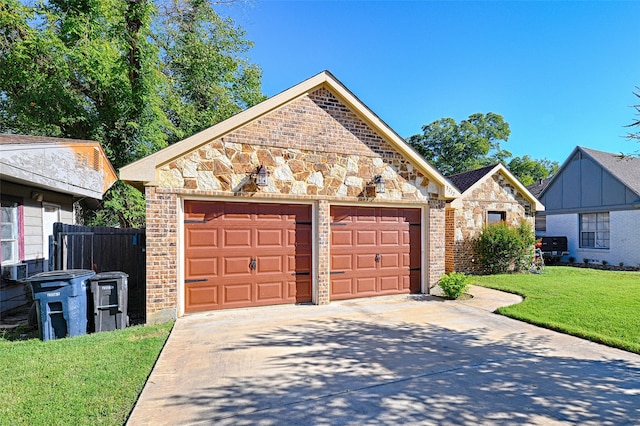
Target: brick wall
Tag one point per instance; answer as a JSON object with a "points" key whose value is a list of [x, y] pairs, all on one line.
{"points": [[161, 237], [314, 148], [495, 194]]}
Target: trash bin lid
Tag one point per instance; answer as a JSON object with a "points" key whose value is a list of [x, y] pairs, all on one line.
{"points": [[63, 275], [111, 275]]}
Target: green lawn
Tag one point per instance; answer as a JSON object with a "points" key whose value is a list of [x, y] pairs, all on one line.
{"points": [[602, 306], [85, 380]]}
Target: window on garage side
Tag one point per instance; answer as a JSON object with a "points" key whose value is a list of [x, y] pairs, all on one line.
{"points": [[9, 215], [541, 223], [496, 217], [594, 230]]}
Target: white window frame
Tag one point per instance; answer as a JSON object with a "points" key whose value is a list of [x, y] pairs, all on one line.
{"points": [[12, 238], [595, 230]]}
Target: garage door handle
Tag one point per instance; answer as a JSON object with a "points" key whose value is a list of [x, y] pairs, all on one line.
{"points": [[252, 264], [377, 257]]}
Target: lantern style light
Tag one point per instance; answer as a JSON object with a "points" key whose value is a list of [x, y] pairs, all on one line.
{"points": [[261, 176], [379, 183]]}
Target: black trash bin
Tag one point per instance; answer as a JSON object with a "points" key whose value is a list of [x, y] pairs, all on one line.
{"points": [[61, 302], [110, 292]]}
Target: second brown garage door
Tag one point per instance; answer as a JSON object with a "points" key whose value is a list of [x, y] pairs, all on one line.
{"points": [[246, 254], [374, 251]]}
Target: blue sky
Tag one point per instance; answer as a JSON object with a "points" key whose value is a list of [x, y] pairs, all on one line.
{"points": [[560, 73]]}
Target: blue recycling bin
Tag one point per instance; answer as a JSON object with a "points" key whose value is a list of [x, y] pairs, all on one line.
{"points": [[61, 302]]}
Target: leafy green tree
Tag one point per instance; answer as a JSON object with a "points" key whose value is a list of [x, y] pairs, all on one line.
{"points": [[203, 59], [458, 147], [529, 171], [129, 74]]}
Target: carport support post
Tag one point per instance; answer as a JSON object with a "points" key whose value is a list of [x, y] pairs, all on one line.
{"points": [[323, 240]]}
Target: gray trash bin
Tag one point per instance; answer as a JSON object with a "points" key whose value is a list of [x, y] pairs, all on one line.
{"points": [[110, 292], [61, 302]]}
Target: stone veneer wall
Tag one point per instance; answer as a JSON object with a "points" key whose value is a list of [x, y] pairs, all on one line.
{"points": [[495, 194], [315, 148]]}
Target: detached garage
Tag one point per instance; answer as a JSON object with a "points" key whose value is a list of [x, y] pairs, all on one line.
{"points": [[306, 197]]}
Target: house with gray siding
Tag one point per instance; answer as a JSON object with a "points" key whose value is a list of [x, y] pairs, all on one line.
{"points": [[594, 200], [40, 180]]}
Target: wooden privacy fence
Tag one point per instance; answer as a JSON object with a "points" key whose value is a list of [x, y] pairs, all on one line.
{"points": [[104, 249]]}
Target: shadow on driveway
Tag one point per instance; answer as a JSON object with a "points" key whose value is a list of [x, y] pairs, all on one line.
{"points": [[363, 365]]}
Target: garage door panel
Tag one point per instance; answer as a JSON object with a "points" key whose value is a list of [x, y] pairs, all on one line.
{"points": [[341, 238], [342, 262], [202, 297], [202, 267], [365, 261], [269, 264], [270, 237], [341, 286], [391, 238], [366, 285], [366, 238], [392, 235], [237, 238], [235, 293], [390, 261], [202, 237], [391, 284], [220, 249], [236, 265], [269, 291]]}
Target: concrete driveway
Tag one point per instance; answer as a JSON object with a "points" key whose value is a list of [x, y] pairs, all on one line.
{"points": [[388, 360]]}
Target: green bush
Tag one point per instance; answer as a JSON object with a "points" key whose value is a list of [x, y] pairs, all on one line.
{"points": [[454, 284], [503, 248]]}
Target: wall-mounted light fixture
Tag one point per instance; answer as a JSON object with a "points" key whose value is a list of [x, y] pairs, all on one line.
{"points": [[378, 182], [36, 196], [260, 175]]}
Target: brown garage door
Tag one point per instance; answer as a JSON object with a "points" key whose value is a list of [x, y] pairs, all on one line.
{"points": [[246, 254], [374, 251]]}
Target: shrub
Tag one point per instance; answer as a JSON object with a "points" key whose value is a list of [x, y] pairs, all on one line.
{"points": [[621, 264], [586, 260], [605, 262], [502, 248], [572, 260], [454, 284]]}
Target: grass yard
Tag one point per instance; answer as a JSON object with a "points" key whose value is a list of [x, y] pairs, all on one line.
{"points": [[602, 306], [86, 380]]}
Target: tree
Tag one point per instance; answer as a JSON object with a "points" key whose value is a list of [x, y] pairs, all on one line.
{"points": [[122, 73], [636, 122], [203, 60], [529, 171], [458, 147]]}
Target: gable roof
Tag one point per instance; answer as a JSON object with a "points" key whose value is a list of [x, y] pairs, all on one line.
{"points": [[465, 180], [469, 181], [144, 170], [625, 169], [537, 188], [70, 166]]}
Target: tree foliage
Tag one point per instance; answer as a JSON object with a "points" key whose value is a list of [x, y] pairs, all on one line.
{"points": [[473, 143], [134, 75], [529, 171], [458, 147]]}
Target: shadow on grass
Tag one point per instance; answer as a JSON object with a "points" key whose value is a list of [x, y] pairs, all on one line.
{"points": [[343, 371]]}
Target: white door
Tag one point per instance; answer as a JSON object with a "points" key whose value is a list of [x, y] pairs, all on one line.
{"points": [[50, 215]]}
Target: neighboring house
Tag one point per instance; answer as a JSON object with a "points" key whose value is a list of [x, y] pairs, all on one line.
{"points": [[594, 200], [40, 180], [490, 194], [305, 197]]}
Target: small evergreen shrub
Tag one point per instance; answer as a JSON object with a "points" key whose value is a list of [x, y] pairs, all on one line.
{"points": [[621, 264], [605, 262], [572, 260], [502, 248], [454, 284], [586, 260]]}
